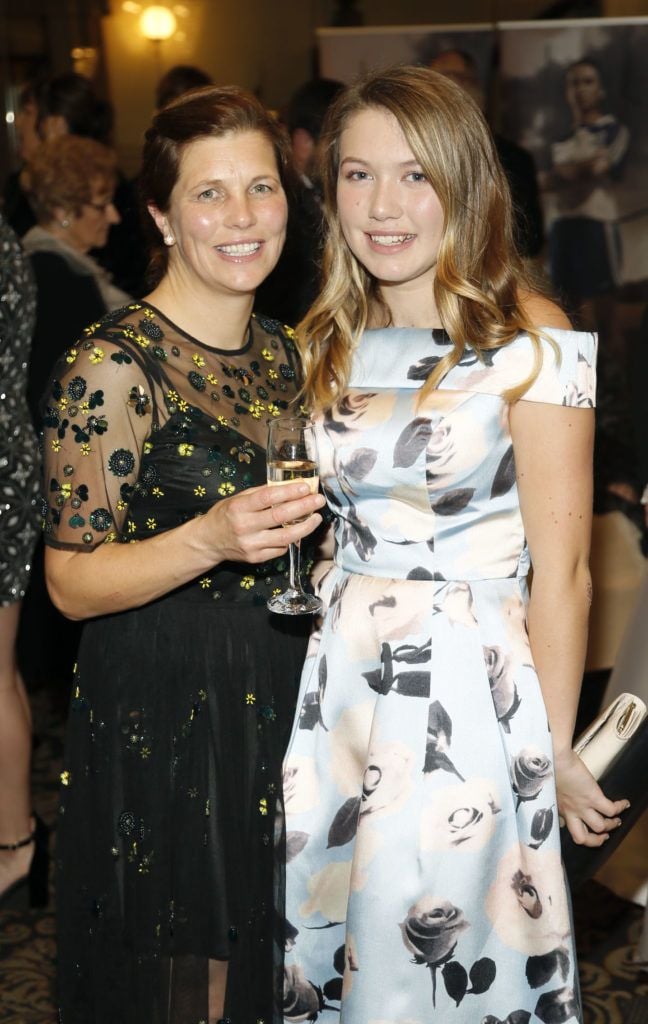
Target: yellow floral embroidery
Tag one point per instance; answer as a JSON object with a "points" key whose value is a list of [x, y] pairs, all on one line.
{"points": [[142, 341], [85, 448], [151, 524], [250, 698], [272, 374], [56, 445], [247, 582], [212, 378], [225, 489], [148, 447], [172, 395], [198, 360], [276, 591], [131, 527], [110, 538], [274, 410], [71, 355], [97, 355], [62, 402], [157, 492], [65, 778], [91, 328], [288, 331], [182, 405], [223, 420], [200, 491], [85, 406], [148, 313], [267, 355], [185, 449], [257, 409], [66, 490], [263, 806], [206, 582], [121, 505]]}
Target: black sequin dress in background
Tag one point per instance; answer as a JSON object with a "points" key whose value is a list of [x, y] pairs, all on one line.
{"points": [[180, 709], [19, 462]]}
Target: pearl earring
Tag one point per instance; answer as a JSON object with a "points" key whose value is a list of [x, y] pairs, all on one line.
{"points": [[169, 240]]}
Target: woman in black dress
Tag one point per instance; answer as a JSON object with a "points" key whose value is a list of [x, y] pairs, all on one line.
{"points": [[154, 441]]}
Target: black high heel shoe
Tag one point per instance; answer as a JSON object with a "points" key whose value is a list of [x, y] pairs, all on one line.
{"points": [[32, 889]]}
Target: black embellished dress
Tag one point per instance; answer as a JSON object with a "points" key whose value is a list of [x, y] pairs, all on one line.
{"points": [[180, 709], [19, 461]]}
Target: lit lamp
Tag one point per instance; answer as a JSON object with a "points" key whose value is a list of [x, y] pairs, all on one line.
{"points": [[157, 23]]}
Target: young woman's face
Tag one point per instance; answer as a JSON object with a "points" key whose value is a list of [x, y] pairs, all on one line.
{"points": [[390, 215], [227, 213]]}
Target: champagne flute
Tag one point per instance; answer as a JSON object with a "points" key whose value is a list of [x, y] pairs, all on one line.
{"points": [[292, 455]]}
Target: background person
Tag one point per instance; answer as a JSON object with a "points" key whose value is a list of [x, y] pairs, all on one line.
{"points": [[71, 183], [23, 839], [293, 285], [161, 534], [432, 749], [178, 80]]}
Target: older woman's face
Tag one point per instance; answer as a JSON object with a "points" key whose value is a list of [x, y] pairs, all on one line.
{"points": [[227, 213], [89, 229]]}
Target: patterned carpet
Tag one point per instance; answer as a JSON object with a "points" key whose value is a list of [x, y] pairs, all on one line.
{"points": [[614, 992]]}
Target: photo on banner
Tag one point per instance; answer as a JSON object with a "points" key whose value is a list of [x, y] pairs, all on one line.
{"points": [[575, 94], [345, 53]]}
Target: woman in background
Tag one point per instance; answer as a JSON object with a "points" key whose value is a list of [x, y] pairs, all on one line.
{"points": [[431, 754], [162, 535], [71, 184]]}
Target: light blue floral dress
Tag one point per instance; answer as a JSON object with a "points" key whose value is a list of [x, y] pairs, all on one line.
{"points": [[424, 880]]}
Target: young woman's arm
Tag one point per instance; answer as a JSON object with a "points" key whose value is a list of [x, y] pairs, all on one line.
{"points": [[553, 456]]}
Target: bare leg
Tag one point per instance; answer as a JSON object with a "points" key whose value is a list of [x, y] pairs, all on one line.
{"points": [[217, 985], [15, 755]]}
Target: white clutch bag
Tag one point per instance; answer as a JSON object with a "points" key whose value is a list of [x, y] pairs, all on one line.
{"points": [[606, 737]]}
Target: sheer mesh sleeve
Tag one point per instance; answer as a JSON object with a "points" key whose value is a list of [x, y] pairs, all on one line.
{"points": [[99, 413]]}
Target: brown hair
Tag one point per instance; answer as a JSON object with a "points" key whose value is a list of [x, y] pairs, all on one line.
{"points": [[65, 172], [479, 272], [202, 113]]}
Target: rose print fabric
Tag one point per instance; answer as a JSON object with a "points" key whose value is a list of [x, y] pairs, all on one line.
{"points": [[424, 878]]}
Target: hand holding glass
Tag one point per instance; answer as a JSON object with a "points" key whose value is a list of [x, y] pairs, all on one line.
{"points": [[292, 455]]}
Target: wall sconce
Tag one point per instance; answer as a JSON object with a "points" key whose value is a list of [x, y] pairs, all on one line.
{"points": [[157, 23]]}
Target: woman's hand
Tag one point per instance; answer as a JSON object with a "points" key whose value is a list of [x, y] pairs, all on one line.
{"points": [[259, 524], [587, 812]]}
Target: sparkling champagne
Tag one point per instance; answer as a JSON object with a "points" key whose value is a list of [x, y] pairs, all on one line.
{"points": [[287, 471]]}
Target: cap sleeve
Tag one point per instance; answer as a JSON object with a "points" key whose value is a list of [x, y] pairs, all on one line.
{"points": [[98, 417], [568, 375]]}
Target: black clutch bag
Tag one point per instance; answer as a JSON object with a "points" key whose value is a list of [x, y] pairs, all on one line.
{"points": [[615, 749]]}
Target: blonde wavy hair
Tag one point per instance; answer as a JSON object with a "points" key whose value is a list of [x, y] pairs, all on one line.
{"points": [[479, 274]]}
